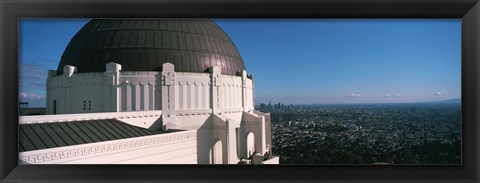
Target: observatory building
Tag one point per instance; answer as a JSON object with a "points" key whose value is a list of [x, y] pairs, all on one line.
{"points": [[148, 91]]}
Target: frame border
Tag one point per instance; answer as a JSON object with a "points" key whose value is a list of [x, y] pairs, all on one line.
{"points": [[12, 11]]}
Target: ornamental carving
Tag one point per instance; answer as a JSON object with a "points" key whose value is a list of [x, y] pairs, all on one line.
{"points": [[106, 147]]}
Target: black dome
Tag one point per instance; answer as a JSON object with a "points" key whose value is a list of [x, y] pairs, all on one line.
{"points": [[192, 45]]}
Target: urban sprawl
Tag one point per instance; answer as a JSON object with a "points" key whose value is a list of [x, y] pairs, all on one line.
{"points": [[415, 133]]}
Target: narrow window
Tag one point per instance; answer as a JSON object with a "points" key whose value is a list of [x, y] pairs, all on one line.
{"points": [[54, 106], [237, 140]]}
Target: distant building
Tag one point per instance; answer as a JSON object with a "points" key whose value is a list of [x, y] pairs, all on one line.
{"points": [[24, 110], [154, 91]]}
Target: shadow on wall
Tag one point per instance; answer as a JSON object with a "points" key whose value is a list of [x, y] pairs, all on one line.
{"points": [[204, 141], [210, 132], [157, 125], [253, 135]]}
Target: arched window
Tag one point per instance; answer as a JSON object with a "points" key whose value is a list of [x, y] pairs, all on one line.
{"points": [[250, 144], [217, 152]]}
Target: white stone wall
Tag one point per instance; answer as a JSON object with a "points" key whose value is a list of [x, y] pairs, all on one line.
{"points": [[256, 124], [169, 148], [117, 91], [192, 91], [274, 160], [249, 96], [230, 128], [231, 92], [218, 107], [80, 93], [137, 91]]}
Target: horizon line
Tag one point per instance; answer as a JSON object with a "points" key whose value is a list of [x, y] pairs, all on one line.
{"points": [[360, 103]]}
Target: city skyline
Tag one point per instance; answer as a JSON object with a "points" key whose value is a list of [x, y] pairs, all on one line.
{"points": [[302, 61]]}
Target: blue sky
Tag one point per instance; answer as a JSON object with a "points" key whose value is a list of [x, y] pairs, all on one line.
{"points": [[302, 61]]}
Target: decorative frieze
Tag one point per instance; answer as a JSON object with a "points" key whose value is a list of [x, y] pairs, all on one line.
{"points": [[43, 156]]}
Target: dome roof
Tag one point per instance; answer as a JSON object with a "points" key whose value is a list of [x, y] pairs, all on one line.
{"points": [[192, 45]]}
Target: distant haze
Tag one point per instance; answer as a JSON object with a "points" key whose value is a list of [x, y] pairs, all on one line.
{"points": [[336, 100], [301, 61]]}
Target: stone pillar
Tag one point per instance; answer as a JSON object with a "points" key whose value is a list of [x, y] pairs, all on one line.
{"points": [[231, 142], [263, 139], [111, 82], [144, 98], [244, 91], [252, 108], [128, 95], [216, 81], [227, 142], [66, 105], [157, 88], [49, 100], [168, 94], [151, 95], [68, 71], [136, 100]]}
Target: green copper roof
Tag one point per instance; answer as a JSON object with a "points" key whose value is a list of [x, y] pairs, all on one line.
{"points": [[192, 45], [50, 135]]}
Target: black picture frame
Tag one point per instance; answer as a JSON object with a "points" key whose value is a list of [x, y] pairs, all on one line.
{"points": [[12, 11]]}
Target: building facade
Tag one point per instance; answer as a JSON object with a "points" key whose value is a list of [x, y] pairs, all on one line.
{"points": [[177, 86]]}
